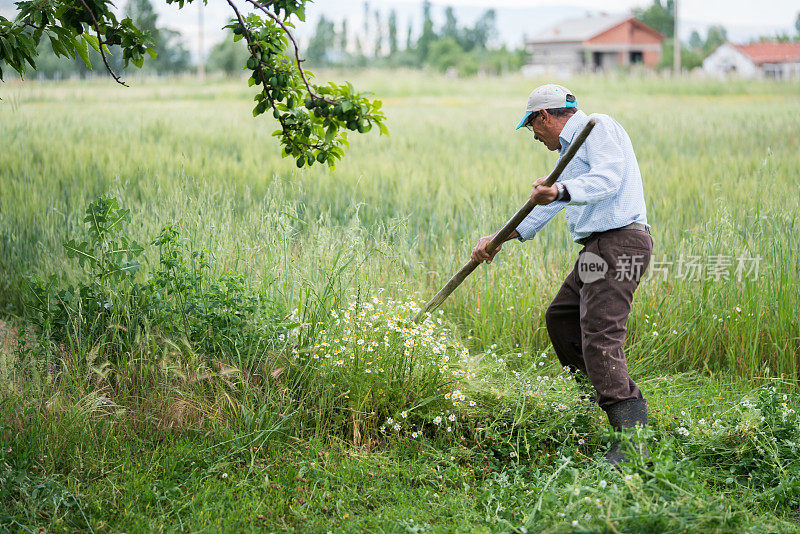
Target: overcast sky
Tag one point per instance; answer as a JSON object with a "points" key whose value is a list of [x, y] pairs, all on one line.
{"points": [[744, 19]]}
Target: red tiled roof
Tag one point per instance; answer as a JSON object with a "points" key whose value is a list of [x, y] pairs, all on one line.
{"points": [[770, 52]]}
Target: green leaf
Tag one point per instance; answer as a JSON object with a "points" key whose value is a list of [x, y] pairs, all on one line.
{"points": [[83, 52], [8, 53], [79, 251], [58, 48], [93, 41], [383, 128], [131, 266], [152, 53], [28, 46], [330, 133], [31, 61]]}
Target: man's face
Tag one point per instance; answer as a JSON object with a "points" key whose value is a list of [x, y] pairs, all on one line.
{"points": [[545, 129]]}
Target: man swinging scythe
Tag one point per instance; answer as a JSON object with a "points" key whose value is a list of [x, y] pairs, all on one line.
{"points": [[602, 193]]}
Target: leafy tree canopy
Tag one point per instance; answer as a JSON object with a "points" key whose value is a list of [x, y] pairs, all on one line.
{"points": [[228, 56], [171, 56], [314, 119], [660, 16], [715, 37], [322, 42]]}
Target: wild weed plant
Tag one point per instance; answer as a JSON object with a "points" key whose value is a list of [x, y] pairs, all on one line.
{"points": [[379, 374]]}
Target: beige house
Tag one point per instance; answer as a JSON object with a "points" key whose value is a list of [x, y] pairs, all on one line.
{"points": [[594, 43]]}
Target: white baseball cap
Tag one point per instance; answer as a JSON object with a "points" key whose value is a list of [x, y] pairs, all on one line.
{"points": [[548, 96]]}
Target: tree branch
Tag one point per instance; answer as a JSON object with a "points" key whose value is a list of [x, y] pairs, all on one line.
{"points": [[288, 33], [25, 25], [253, 50], [100, 45]]}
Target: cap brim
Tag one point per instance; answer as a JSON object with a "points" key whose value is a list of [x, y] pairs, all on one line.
{"points": [[524, 119]]}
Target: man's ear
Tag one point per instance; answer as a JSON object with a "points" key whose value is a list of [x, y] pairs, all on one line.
{"points": [[546, 117]]}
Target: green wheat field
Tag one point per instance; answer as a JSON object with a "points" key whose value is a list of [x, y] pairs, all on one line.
{"points": [[196, 336]]}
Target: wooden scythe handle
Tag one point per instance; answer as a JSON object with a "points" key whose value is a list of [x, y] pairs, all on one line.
{"points": [[509, 227]]}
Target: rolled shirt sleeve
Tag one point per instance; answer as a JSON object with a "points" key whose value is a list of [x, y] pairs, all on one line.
{"points": [[606, 159], [537, 219]]}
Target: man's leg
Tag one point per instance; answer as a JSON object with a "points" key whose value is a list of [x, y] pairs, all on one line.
{"points": [[563, 324], [604, 308]]}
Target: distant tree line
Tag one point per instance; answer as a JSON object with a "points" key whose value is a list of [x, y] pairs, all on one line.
{"points": [[380, 42], [171, 55], [227, 57], [453, 47]]}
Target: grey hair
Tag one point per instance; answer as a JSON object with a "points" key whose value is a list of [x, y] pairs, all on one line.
{"points": [[561, 112]]}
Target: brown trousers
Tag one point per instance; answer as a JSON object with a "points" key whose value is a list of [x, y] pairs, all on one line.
{"points": [[588, 316]]}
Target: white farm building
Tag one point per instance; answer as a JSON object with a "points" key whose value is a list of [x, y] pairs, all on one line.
{"points": [[765, 59]]}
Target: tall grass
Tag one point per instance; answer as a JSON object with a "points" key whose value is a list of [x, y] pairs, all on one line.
{"points": [[719, 163]]}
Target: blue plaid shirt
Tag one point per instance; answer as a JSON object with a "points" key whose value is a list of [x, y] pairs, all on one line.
{"points": [[603, 181]]}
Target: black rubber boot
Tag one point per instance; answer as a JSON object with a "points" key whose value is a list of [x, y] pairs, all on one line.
{"points": [[626, 415]]}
